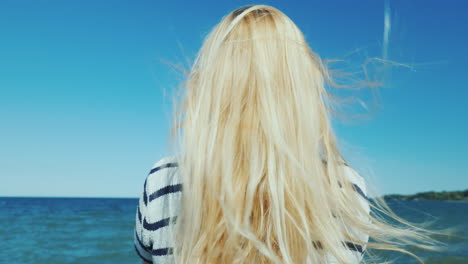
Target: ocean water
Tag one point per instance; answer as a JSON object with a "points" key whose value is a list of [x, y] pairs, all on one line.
{"points": [[100, 230]]}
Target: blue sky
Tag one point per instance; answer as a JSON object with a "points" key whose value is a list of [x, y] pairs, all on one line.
{"points": [[83, 111]]}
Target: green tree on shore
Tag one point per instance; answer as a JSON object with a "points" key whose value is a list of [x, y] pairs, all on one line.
{"points": [[444, 195]]}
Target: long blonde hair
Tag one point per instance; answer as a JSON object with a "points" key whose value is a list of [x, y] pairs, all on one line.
{"points": [[264, 180]]}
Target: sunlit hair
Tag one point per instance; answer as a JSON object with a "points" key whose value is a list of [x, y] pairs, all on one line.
{"points": [[263, 178]]}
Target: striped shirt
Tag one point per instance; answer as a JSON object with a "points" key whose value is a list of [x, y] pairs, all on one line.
{"points": [[159, 204]]}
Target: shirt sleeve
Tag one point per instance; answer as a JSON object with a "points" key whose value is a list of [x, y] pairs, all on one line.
{"points": [[355, 252], [142, 242], [359, 185]]}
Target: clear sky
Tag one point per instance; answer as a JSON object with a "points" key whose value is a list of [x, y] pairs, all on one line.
{"points": [[83, 113]]}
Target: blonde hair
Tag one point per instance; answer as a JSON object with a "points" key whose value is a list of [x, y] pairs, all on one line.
{"points": [[263, 178]]}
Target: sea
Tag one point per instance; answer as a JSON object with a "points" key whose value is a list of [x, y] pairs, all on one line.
{"points": [[100, 230]]}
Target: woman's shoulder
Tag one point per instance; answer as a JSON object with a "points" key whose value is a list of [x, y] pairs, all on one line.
{"points": [[164, 162], [355, 177], [162, 176], [163, 187]]}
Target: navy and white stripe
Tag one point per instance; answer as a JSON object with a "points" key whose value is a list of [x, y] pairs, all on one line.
{"points": [[157, 209], [160, 201]]}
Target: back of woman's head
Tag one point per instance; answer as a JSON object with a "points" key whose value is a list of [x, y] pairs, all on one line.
{"points": [[263, 179]]}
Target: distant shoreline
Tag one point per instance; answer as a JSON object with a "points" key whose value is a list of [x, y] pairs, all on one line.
{"points": [[459, 196], [454, 196]]}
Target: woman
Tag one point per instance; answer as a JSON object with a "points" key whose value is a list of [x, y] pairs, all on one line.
{"points": [[262, 178]]}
